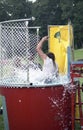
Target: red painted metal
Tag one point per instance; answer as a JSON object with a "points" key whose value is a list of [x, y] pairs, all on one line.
{"points": [[77, 72], [73, 109], [43, 108]]}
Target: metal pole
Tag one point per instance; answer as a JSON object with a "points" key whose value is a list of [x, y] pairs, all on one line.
{"points": [[0, 54], [70, 29], [1, 66], [27, 51], [73, 57], [19, 20], [69, 23], [37, 35]]}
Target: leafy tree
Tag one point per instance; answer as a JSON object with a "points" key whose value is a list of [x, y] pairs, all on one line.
{"points": [[67, 7], [15, 9], [20, 9], [78, 24], [3, 11], [47, 12], [73, 10]]}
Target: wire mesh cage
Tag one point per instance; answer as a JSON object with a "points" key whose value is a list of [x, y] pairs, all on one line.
{"points": [[17, 50]]}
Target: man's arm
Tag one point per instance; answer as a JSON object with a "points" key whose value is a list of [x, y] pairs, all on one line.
{"points": [[39, 47]]}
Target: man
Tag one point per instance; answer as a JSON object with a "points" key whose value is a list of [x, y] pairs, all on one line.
{"points": [[49, 66]]}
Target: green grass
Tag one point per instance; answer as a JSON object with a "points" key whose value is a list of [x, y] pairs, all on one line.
{"points": [[77, 126], [0, 101], [78, 54], [1, 123], [1, 117]]}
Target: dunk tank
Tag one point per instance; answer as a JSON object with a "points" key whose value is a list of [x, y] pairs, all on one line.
{"points": [[30, 103]]}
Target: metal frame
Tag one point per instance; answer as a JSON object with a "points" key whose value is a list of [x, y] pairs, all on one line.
{"points": [[26, 27], [18, 20]]}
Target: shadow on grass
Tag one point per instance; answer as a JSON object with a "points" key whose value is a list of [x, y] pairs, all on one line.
{"points": [[1, 122], [77, 125]]}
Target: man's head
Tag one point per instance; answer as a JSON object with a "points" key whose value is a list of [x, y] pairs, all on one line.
{"points": [[51, 55]]}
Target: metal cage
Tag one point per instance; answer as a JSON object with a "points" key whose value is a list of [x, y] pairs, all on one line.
{"points": [[17, 50]]}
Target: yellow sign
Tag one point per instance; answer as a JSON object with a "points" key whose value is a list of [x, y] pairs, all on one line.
{"points": [[60, 37]]}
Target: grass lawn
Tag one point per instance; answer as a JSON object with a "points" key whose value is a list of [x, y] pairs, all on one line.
{"points": [[1, 117], [1, 123], [78, 54], [0, 101]]}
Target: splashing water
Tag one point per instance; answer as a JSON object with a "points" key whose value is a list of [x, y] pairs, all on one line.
{"points": [[35, 77]]}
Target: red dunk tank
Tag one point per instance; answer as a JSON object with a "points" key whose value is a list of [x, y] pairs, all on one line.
{"points": [[38, 108], [29, 105]]}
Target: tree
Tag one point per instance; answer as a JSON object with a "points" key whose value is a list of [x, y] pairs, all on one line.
{"points": [[21, 9], [3, 11], [78, 24], [15, 9], [73, 10], [47, 13]]}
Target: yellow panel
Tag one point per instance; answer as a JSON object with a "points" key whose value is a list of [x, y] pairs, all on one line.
{"points": [[59, 39]]}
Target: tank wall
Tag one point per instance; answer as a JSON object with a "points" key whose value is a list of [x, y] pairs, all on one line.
{"points": [[47, 108]]}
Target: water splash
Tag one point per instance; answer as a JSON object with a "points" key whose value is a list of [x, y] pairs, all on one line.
{"points": [[36, 77]]}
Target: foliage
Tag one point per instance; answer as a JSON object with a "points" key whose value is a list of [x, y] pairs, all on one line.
{"points": [[73, 10], [78, 26], [47, 12], [15, 9]]}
